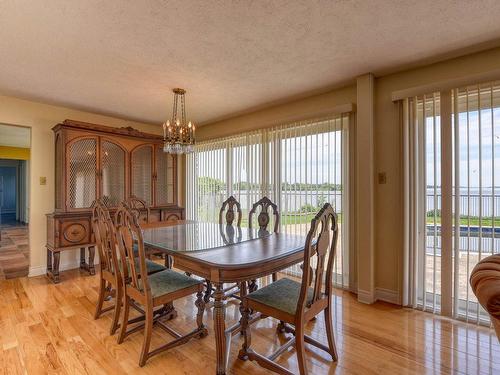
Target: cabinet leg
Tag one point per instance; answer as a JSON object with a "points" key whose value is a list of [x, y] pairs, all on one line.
{"points": [[49, 261], [89, 267], [91, 260], [53, 265], [83, 264]]}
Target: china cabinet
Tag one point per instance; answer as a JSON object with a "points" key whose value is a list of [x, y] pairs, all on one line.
{"points": [[94, 161]]}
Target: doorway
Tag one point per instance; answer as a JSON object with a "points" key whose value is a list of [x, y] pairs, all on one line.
{"points": [[14, 201]]}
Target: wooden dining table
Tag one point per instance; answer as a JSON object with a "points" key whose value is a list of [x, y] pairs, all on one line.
{"points": [[223, 254]]}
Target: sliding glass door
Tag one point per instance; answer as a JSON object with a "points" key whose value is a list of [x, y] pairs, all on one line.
{"points": [[452, 147]]}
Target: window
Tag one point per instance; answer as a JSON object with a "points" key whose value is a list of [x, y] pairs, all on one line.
{"points": [[299, 166]]}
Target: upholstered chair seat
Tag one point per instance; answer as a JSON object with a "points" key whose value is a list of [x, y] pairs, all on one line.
{"points": [[169, 281], [281, 295], [151, 266]]}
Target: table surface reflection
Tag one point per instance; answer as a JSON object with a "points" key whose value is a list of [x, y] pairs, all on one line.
{"points": [[199, 236]]}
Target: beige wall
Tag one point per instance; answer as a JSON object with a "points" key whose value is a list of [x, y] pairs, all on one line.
{"points": [[318, 104], [41, 118], [388, 221]]}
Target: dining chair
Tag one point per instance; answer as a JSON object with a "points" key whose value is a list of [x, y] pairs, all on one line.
{"points": [[295, 303], [263, 220], [227, 212], [140, 208], [142, 211], [110, 283], [152, 292]]}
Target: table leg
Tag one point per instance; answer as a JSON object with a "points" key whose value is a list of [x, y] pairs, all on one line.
{"points": [[220, 329]]}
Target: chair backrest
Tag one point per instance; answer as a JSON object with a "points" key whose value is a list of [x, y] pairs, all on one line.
{"points": [[263, 219], [319, 251], [230, 203], [131, 247], [140, 208], [104, 233]]}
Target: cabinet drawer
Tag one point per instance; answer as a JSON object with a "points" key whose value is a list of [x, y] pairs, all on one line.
{"points": [[74, 232]]}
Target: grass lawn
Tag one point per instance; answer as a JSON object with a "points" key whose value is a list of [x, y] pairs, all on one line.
{"points": [[473, 221]]}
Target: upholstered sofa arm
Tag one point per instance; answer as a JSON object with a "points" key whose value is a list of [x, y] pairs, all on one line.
{"points": [[485, 283]]}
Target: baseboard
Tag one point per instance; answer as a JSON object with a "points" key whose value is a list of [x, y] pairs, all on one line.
{"points": [[387, 295], [365, 296], [71, 265], [42, 270]]}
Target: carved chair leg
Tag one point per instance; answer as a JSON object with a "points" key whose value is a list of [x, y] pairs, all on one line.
{"points": [[245, 331], [200, 304], [252, 285], [100, 300], [329, 333], [300, 346], [126, 310], [281, 328], [116, 312], [208, 291], [148, 331]]}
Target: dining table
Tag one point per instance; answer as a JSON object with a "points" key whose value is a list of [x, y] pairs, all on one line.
{"points": [[221, 253]]}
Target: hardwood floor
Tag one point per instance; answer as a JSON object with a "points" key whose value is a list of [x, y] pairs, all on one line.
{"points": [[14, 249], [47, 328]]}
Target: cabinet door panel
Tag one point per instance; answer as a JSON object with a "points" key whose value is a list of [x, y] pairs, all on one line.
{"points": [[142, 172], [82, 173], [165, 169], [113, 173]]}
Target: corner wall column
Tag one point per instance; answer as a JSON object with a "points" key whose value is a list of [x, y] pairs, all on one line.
{"points": [[365, 186]]}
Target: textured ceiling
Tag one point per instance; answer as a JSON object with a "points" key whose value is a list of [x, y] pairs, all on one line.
{"points": [[123, 57], [14, 136]]}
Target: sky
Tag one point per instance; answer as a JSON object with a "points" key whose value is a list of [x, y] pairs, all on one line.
{"points": [[472, 139]]}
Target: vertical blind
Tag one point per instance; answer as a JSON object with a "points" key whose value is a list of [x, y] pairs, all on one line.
{"points": [[473, 145], [300, 166]]}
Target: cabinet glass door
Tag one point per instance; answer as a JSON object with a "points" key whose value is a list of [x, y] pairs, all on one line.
{"points": [[113, 173], [142, 172], [82, 173], [165, 169]]}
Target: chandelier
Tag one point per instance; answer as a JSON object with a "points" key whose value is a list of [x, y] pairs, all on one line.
{"points": [[178, 135]]}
